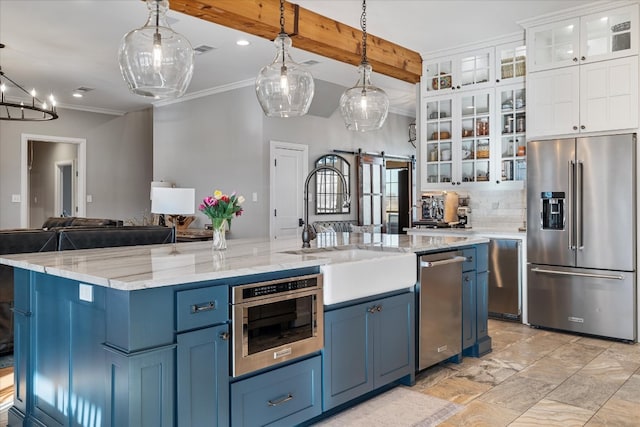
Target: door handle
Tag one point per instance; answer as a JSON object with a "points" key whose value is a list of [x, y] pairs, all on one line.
{"points": [[568, 273], [300, 222], [454, 260]]}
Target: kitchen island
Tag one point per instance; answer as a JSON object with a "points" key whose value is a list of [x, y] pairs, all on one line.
{"points": [[139, 336]]}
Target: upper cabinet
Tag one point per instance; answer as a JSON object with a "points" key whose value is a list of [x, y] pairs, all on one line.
{"points": [[583, 74], [472, 70], [599, 36], [473, 118]]}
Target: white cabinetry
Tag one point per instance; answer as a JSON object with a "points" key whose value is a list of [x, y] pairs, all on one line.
{"points": [[584, 74], [598, 36], [465, 105]]}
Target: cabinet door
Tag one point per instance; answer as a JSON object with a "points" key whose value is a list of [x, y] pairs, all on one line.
{"points": [[347, 368], [437, 75], [553, 45], [468, 310], [202, 374], [512, 144], [474, 70], [553, 107], [511, 60], [609, 95], [437, 146], [610, 34], [393, 338], [476, 125]]}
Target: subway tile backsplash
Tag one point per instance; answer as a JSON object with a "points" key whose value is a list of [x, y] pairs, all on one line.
{"points": [[498, 208]]}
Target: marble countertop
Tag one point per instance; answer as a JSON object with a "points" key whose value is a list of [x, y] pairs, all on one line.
{"points": [[138, 267], [514, 233]]}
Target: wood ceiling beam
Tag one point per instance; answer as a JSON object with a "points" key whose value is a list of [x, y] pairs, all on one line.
{"points": [[314, 33]]}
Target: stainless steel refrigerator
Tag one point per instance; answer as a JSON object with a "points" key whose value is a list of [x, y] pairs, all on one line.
{"points": [[581, 235]]}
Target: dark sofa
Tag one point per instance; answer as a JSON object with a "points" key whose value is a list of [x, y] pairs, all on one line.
{"points": [[59, 234]]}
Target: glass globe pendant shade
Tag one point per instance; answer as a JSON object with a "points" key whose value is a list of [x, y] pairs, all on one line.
{"points": [[284, 88], [155, 61], [364, 107]]}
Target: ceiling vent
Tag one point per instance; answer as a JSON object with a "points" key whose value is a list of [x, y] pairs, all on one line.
{"points": [[84, 89], [203, 48], [311, 62]]}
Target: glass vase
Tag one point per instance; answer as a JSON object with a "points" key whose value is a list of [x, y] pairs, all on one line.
{"points": [[219, 242]]}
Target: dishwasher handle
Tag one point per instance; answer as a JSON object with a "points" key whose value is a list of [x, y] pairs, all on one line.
{"points": [[454, 260]]}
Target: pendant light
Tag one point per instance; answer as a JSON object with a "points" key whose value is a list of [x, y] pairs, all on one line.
{"points": [[155, 61], [284, 88], [364, 107]]}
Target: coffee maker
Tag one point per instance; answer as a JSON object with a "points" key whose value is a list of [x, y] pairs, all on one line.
{"points": [[438, 209], [464, 216]]}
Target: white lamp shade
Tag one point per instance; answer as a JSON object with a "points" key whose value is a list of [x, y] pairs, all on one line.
{"points": [[173, 201], [165, 184]]}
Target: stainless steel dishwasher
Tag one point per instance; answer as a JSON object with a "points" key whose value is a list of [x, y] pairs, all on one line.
{"points": [[440, 307]]}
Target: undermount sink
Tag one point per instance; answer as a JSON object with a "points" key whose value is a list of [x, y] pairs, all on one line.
{"points": [[357, 273]]}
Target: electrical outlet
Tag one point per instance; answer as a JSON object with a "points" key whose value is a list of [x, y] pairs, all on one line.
{"points": [[254, 197], [89, 198], [15, 198]]}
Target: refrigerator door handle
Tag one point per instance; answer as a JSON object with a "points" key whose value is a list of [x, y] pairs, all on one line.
{"points": [[579, 206], [567, 273], [572, 171]]}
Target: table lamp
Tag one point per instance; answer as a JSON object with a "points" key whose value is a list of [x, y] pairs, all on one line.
{"points": [[173, 202]]}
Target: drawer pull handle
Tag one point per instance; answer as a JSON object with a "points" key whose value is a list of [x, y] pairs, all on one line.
{"points": [[197, 308], [287, 398]]}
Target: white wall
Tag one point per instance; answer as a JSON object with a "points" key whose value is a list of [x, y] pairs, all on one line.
{"points": [[221, 142], [119, 161]]}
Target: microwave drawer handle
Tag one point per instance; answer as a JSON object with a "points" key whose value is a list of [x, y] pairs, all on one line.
{"points": [[199, 308], [287, 398], [453, 260]]}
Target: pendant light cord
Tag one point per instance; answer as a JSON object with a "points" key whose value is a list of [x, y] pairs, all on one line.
{"points": [[363, 25], [284, 67]]}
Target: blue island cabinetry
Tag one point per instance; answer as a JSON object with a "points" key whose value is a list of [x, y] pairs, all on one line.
{"points": [[476, 341], [367, 346], [92, 356]]}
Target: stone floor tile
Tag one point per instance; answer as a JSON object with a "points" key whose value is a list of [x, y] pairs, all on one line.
{"points": [[576, 354], [585, 391], [549, 413], [489, 371], [481, 414], [550, 370], [457, 390], [432, 376], [518, 393], [617, 412], [630, 390]]}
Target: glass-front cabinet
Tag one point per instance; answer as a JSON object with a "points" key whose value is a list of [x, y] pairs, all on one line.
{"points": [[599, 36], [458, 145], [463, 71], [439, 125], [512, 143], [475, 142], [511, 63]]}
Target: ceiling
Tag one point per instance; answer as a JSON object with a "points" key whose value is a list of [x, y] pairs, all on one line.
{"points": [[60, 45]]}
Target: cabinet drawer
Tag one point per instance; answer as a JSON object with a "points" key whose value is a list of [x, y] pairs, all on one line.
{"points": [[282, 397], [470, 263], [197, 308]]}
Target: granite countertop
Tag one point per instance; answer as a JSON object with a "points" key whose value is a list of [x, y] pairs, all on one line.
{"points": [[138, 267]]}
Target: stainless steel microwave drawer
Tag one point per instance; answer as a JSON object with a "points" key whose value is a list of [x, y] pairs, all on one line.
{"points": [[197, 308]]}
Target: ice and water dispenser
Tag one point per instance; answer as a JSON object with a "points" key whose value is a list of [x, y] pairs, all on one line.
{"points": [[552, 206]]}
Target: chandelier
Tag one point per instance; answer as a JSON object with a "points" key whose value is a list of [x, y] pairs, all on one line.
{"points": [[155, 61], [31, 110], [284, 88], [364, 107]]}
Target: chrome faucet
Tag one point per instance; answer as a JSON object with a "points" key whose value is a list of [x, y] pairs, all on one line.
{"points": [[308, 233]]}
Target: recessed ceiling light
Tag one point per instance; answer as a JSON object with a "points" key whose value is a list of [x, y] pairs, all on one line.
{"points": [[79, 92], [243, 42]]}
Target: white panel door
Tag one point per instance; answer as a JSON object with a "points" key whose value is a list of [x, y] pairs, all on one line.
{"points": [[609, 95], [553, 106], [289, 166]]}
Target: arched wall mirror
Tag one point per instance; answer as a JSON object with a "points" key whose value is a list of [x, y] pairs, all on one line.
{"points": [[329, 186]]}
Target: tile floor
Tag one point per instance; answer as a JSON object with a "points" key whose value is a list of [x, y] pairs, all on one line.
{"points": [[535, 377], [531, 378]]}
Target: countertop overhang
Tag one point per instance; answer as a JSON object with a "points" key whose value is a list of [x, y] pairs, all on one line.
{"points": [[133, 268]]}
